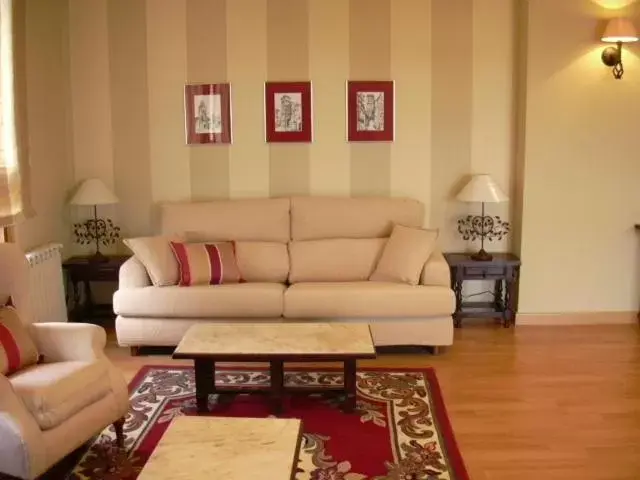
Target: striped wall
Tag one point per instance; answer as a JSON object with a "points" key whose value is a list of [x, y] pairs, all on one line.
{"points": [[104, 82], [129, 61]]}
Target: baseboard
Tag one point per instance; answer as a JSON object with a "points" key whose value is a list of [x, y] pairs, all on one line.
{"points": [[578, 318]]}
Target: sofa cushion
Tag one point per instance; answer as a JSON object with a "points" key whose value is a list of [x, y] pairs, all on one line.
{"points": [[263, 261], [405, 255], [157, 257], [334, 260], [53, 392], [224, 220], [206, 263], [366, 299], [314, 218], [17, 348], [201, 301]]}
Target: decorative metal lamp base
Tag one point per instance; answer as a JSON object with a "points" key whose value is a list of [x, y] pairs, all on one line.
{"points": [[483, 227], [482, 256], [98, 257]]}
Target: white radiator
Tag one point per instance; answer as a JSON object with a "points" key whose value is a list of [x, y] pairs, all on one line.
{"points": [[46, 287]]}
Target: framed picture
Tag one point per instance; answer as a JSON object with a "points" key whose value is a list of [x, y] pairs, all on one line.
{"points": [[370, 111], [207, 113], [287, 107]]}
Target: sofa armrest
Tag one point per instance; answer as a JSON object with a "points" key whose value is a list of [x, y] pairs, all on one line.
{"points": [[436, 271], [65, 342], [132, 274], [22, 449]]}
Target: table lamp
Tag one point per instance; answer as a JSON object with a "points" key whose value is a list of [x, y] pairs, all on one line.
{"points": [[93, 192], [481, 188]]}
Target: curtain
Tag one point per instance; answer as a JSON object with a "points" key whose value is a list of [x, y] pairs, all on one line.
{"points": [[15, 202]]}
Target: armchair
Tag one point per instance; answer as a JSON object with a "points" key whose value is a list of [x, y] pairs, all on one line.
{"points": [[50, 409]]}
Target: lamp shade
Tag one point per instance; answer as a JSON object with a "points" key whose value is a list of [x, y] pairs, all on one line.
{"points": [[482, 188], [93, 191], [620, 30]]}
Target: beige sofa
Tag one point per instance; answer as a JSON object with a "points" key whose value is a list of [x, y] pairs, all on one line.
{"points": [[50, 409], [303, 259]]}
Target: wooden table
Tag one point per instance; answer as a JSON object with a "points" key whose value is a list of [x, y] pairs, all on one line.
{"points": [[503, 269], [81, 270], [195, 448], [276, 343]]}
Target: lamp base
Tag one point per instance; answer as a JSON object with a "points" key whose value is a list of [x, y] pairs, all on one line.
{"points": [[98, 257], [482, 256]]}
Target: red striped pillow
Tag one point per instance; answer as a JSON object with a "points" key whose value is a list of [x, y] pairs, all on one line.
{"points": [[17, 349], [206, 263]]}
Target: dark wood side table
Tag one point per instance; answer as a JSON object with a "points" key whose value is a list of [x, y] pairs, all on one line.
{"points": [[504, 270], [80, 270]]}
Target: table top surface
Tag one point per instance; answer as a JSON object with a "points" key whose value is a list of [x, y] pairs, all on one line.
{"points": [[334, 340], [462, 258], [85, 260], [196, 448]]}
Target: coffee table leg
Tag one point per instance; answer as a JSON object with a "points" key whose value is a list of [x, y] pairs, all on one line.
{"points": [[277, 385], [204, 383], [350, 386]]}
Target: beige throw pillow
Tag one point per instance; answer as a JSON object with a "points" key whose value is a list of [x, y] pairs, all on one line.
{"points": [[157, 257], [405, 254]]}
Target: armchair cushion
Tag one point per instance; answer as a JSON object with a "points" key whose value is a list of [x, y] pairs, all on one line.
{"points": [[54, 392], [17, 349]]}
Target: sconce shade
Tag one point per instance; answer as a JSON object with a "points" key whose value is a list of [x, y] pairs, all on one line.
{"points": [[93, 191], [482, 188], [620, 30]]}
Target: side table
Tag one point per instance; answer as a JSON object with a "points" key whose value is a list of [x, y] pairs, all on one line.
{"points": [[504, 270], [79, 270]]}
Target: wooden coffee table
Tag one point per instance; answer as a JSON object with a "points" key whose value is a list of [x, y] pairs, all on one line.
{"points": [[276, 343], [197, 448]]}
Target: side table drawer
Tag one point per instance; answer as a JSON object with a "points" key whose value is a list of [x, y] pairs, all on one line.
{"points": [[484, 272], [104, 274]]}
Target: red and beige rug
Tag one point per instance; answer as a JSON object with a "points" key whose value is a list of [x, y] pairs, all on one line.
{"points": [[399, 432]]}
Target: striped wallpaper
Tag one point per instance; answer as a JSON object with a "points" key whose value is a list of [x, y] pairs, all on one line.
{"points": [[105, 85], [129, 61]]}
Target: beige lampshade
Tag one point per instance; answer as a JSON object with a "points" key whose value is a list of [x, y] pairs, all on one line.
{"points": [[93, 191], [482, 188], [620, 30]]}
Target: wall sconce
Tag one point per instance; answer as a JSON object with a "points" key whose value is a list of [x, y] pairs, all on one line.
{"points": [[618, 31]]}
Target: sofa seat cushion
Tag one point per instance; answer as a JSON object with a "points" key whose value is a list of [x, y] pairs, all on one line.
{"points": [[54, 392], [366, 299], [201, 301]]}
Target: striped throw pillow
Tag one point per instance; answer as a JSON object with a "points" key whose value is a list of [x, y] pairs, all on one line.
{"points": [[17, 349], [206, 263]]}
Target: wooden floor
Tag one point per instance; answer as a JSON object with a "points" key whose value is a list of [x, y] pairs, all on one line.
{"points": [[531, 402]]}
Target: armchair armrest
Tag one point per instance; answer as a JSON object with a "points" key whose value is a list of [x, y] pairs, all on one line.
{"points": [[22, 450], [436, 271], [132, 274], [65, 342]]}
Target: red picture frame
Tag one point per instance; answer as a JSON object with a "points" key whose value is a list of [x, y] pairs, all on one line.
{"points": [[370, 111], [207, 113], [288, 114]]}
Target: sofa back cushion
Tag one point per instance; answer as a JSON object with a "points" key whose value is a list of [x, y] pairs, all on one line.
{"points": [[224, 220], [263, 261], [314, 218], [334, 260]]}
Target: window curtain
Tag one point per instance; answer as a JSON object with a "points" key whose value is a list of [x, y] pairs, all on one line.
{"points": [[15, 195]]}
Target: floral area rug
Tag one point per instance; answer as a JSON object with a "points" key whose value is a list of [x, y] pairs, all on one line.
{"points": [[400, 430]]}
